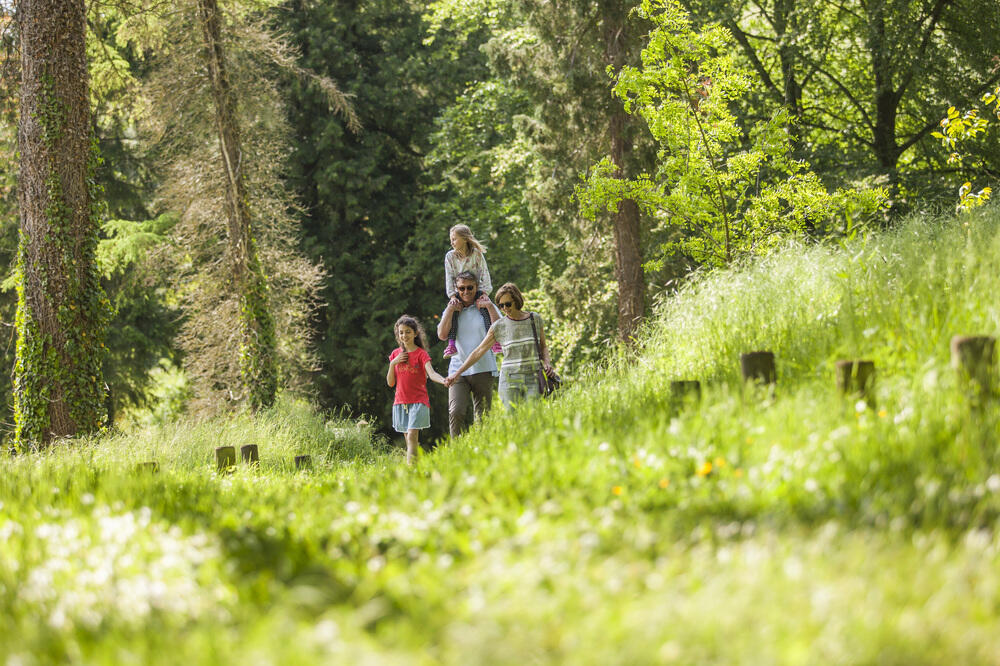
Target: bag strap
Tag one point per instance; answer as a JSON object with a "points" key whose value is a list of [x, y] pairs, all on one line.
{"points": [[534, 332]]}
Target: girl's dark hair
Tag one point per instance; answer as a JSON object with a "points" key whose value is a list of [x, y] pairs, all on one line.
{"points": [[406, 320], [511, 290]]}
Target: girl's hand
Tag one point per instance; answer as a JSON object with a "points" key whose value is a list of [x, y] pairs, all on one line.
{"points": [[483, 301], [455, 304], [400, 358]]}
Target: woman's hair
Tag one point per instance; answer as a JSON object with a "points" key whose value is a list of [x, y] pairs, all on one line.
{"points": [[463, 231], [420, 339], [511, 290]]}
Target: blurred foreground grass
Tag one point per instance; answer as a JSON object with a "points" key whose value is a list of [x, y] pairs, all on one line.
{"points": [[609, 526]]}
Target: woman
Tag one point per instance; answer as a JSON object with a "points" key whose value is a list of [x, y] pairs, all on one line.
{"points": [[519, 371]]}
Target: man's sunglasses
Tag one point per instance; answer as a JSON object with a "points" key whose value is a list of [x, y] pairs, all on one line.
{"points": [[466, 288]]}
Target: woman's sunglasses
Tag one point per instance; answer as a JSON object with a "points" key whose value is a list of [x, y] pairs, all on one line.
{"points": [[506, 304]]}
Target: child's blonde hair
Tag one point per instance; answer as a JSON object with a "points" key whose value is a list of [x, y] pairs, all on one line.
{"points": [[463, 231], [420, 337]]}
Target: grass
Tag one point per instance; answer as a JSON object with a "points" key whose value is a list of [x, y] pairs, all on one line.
{"points": [[609, 526]]}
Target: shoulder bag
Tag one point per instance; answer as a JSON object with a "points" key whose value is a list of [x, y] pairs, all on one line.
{"points": [[548, 382]]}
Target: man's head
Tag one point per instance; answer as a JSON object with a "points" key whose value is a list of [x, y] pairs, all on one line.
{"points": [[466, 284]]}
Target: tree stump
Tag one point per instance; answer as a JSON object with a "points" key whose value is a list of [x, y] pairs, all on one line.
{"points": [[857, 379], [974, 357], [249, 454], [758, 367], [225, 457], [682, 389], [303, 462]]}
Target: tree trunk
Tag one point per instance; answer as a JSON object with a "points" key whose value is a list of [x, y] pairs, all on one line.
{"points": [[628, 254], [62, 310], [257, 347]]}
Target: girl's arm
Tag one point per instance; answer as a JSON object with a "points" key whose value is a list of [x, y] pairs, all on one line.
{"points": [[449, 276], [390, 375], [476, 354], [432, 373], [485, 283]]}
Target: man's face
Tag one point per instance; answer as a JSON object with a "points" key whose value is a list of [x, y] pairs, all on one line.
{"points": [[466, 291]]}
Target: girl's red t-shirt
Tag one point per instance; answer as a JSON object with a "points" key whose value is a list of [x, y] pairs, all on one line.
{"points": [[411, 378]]}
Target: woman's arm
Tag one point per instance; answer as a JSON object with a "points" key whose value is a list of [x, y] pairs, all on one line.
{"points": [[476, 354], [432, 373], [546, 361]]}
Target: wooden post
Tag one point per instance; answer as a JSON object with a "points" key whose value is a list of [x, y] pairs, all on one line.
{"points": [[225, 457], [974, 357], [150, 466], [681, 389], [758, 367], [303, 462], [857, 378], [249, 454]]}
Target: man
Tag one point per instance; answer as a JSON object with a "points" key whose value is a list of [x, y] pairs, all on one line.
{"points": [[476, 383]]}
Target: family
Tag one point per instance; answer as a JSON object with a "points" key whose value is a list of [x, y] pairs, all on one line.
{"points": [[476, 331]]}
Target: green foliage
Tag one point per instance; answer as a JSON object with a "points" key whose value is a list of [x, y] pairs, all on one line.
{"points": [[731, 193], [258, 362], [961, 127]]}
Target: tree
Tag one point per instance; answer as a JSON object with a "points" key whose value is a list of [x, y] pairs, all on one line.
{"points": [[733, 194], [62, 310], [219, 153], [258, 366], [864, 79]]}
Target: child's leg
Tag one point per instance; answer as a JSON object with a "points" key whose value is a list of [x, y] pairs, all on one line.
{"points": [[450, 349], [486, 317], [412, 437]]}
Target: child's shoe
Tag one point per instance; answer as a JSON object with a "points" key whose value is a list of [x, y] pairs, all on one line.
{"points": [[450, 350], [496, 348]]}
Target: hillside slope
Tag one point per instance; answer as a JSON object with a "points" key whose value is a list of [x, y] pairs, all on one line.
{"points": [[612, 525]]}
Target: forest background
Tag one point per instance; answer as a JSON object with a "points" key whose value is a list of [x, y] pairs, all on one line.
{"points": [[484, 112]]}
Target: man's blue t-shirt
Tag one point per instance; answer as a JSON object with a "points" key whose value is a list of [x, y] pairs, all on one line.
{"points": [[471, 331]]}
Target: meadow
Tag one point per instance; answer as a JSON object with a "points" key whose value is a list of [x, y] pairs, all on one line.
{"points": [[614, 524]]}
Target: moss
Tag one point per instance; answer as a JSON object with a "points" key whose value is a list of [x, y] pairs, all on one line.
{"points": [[258, 365]]}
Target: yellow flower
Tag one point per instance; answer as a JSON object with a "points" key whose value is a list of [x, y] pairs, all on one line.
{"points": [[704, 469], [617, 490], [738, 473], [720, 462], [882, 413], [664, 483], [749, 439], [636, 461]]}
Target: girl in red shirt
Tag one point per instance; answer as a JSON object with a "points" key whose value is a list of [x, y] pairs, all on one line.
{"points": [[409, 368]]}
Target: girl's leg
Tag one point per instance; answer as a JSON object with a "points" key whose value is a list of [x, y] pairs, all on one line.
{"points": [[450, 350], [412, 445]]}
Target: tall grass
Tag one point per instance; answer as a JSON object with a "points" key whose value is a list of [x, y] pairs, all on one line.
{"points": [[609, 525]]}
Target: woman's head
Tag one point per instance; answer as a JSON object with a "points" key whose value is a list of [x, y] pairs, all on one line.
{"points": [[463, 241], [411, 323], [509, 298]]}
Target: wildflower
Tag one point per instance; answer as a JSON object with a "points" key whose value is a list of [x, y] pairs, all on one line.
{"points": [[637, 462], [882, 413], [720, 462], [749, 439], [617, 490], [704, 469], [664, 482], [738, 473]]}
